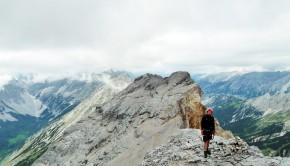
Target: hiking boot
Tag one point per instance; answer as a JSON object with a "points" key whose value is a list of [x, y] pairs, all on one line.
{"points": [[208, 152], [205, 154]]}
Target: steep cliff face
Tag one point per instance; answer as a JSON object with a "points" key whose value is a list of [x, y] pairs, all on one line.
{"points": [[144, 115], [192, 112]]}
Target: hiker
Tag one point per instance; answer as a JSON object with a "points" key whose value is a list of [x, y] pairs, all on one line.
{"points": [[207, 130]]}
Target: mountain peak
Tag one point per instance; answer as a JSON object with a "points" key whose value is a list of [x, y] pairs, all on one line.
{"points": [[176, 76], [152, 81], [179, 78]]}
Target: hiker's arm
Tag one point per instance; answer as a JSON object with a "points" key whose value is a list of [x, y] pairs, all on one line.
{"points": [[213, 127], [202, 127], [202, 124], [213, 124]]}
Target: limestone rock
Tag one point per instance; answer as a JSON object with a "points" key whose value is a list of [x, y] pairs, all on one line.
{"points": [[194, 155]]}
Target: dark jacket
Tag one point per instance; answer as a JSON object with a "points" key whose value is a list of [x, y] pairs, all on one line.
{"points": [[207, 123]]}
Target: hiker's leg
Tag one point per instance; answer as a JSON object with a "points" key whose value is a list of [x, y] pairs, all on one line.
{"points": [[205, 146], [204, 141], [209, 137], [208, 151]]}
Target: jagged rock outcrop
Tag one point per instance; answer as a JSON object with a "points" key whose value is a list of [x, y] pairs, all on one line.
{"points": [[186, 148]]}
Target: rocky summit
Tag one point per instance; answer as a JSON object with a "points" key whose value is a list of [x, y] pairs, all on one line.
{"points": [[154, 121], [186, 148]]}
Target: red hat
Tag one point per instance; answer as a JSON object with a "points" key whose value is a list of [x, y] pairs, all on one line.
{"points": [[209, 109]]}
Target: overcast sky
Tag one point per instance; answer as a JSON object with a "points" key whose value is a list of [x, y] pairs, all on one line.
{"points": [[159, 36]]}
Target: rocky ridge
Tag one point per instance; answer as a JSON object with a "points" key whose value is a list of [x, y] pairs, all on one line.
{"points": [[186, 148]]}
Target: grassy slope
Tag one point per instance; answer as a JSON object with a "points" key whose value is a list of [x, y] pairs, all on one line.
{"points": [[226, 107], [272, 123], [13, 135]]}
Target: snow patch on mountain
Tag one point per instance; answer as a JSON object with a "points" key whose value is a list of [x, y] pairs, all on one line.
{"points": [[64, 92], [67, 94], [46, 90], [267, 137], [6, 117], [61, 90], [4, 113], [29, 106]]}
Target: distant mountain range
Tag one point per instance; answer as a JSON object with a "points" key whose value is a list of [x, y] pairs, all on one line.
{"points": [[154, 121], [26, 106], [254, 106]]}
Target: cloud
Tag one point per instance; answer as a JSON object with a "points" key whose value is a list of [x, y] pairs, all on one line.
{"points": [[144, 36], [4, 79]]}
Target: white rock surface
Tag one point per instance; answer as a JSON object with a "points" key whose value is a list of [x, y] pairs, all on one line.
{"points": [[186, 148]]}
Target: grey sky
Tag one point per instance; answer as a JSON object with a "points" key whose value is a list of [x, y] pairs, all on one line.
{"points": [[51, 36]]}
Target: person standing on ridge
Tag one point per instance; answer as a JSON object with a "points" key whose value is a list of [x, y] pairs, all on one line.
{"points": [[207, 130]]}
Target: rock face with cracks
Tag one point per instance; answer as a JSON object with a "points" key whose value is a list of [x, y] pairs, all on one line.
{"points": [[146, 124]]}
